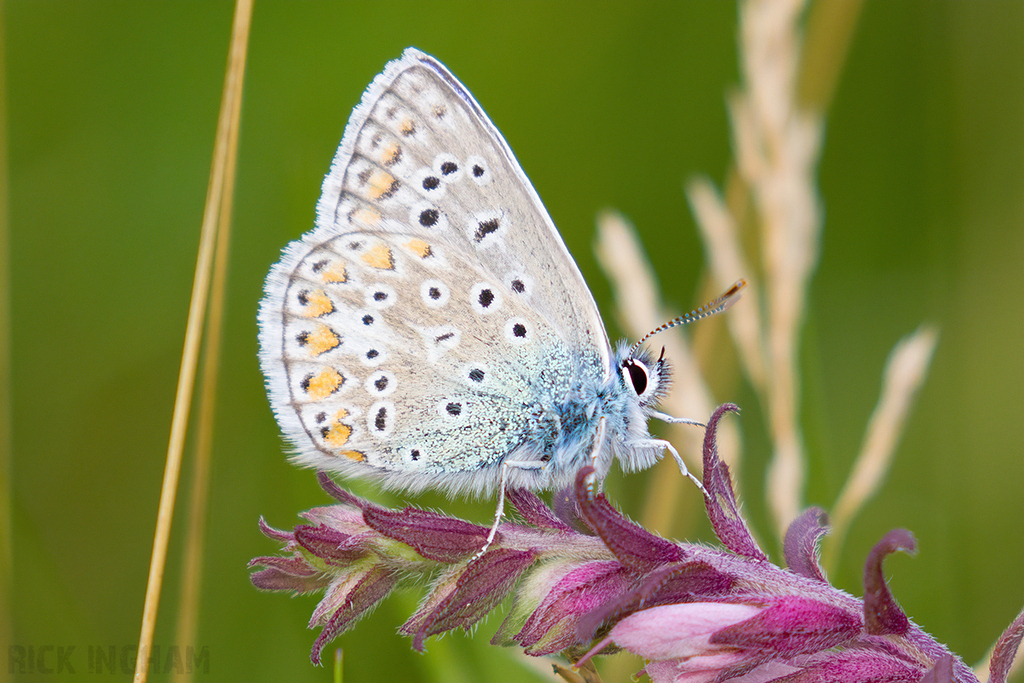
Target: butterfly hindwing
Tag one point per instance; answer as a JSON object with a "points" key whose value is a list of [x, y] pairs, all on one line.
{"points": [[398, 358]]}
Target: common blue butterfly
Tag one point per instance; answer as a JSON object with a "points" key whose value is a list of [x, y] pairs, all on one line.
{"points": [[432, 331]]}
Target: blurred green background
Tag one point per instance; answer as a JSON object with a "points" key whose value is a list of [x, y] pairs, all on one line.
{"points": [[111, 112]]}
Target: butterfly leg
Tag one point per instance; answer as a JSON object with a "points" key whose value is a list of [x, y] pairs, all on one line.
{"points": [[500, 511], [507, 466], [595, 452], [662, 444], [665, 417]]}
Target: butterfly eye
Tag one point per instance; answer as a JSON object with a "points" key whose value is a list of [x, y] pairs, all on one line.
{"points": [[636, 375]]}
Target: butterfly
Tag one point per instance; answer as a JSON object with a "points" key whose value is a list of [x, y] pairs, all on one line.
{"points": [[433, 331]]}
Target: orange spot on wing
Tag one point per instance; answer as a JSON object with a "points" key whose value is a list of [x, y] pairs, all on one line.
{"points": [[366, 216], [391, 154], [418, 247], [382, 184], [318, 304], [379, 256], [321, 340], [335, 274], [323, 384], [354, 455], [337, 435]]}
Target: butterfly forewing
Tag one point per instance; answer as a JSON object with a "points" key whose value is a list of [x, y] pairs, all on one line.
{"points": [[414, 331], [420, 156]]}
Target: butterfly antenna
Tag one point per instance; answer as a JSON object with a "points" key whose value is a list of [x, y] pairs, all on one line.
{"points": [[710, 308]]}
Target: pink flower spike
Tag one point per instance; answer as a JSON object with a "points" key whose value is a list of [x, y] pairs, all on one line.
{"points": [[586, 579]]}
